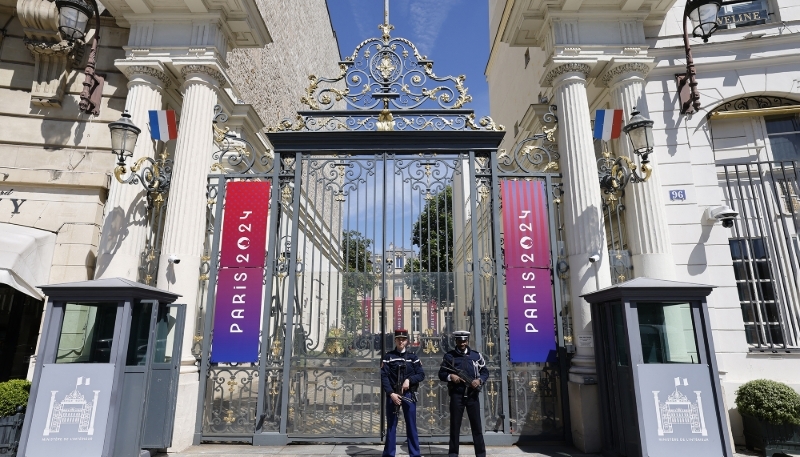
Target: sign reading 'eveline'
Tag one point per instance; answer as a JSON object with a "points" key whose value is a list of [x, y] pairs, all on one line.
{"points": [[527, 259], [237, 310]]}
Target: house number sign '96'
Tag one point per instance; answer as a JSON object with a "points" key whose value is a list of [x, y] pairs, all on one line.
{"points": [[527, 260], [237, 308]]}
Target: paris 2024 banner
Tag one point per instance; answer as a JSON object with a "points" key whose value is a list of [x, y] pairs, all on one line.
{"points": [[237, 310], [529, 291]]}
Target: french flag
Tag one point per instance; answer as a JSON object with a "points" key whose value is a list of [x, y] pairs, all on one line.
{"points": [[607, 124], [162, 125]]}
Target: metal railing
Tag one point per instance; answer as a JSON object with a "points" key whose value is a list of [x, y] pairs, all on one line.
{"points": [[765, 252]]}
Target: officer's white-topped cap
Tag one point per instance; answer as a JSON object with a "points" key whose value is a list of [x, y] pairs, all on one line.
{"points": [[461, 335]]}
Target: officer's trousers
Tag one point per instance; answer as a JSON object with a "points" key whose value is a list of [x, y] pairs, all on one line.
{"points": [[410, 415], [473, 406]]}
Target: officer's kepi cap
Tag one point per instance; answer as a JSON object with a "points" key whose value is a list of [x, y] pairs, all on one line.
{"points": [[401, 333], [461, 335]]}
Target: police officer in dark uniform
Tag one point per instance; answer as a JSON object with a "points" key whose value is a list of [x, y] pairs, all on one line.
{"points": [[401, 373], [465, 372]]}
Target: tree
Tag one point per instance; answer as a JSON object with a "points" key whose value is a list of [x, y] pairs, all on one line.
{"points": [[432, 271], [358, 277]]}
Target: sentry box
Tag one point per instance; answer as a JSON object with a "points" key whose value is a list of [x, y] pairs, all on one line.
{"points": [[659, 385], [105, 382]]}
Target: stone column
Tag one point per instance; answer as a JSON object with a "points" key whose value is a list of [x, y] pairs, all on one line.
{"points": [[586, 240], [185, 226], [124, 231], [646, 224]]}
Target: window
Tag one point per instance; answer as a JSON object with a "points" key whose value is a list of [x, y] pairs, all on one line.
{"points": [[87, 332], [667, 333], [416, 321], [784, 136], [751, 269], [398, 262], [743, 14]]}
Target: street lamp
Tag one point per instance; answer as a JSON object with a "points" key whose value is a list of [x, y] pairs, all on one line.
{"points": [[616, 174], [73, 16], [123, 137], [703, 16], [640, 132], [154, 175]]}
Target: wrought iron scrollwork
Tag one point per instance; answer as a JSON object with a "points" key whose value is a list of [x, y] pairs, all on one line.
{"points": [[234, 153], [155, 177], [386, 73], [755, 102], [616, 173], [537, 153]]}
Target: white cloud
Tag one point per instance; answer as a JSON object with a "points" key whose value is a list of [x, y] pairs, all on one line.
{"points": [[427, 17], [359, 16]]}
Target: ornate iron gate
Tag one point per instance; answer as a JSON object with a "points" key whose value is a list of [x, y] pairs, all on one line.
{"points": [[379, 219]]}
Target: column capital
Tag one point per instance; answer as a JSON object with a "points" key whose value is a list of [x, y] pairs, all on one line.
{"points": [[153, 72], [211, 70], [564, 68], [617, 71]]}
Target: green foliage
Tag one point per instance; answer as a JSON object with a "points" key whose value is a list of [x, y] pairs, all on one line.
{"points": [[358, 279], [769, 401], [13, 393], [433, 234]]}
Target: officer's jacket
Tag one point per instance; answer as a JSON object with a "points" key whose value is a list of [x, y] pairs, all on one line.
{"points": [[408, 363], [470, 364]]}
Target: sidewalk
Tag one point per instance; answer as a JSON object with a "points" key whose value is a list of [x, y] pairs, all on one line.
{"points": [[349, 450]]}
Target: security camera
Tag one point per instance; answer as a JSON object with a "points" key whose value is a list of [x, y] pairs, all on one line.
{"points": [[173, 258], [594, 258], [724, 214]]}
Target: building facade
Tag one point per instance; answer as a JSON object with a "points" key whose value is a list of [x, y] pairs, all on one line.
{"points": [[738, 150], [68, 217]]}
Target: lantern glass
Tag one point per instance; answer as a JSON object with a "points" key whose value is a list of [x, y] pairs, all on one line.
{"points": [[704, 19], [640, 133], [123, 136], [73, 16]]}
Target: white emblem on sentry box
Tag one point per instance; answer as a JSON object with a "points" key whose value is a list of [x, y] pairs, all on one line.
{"points": [[73, 409], [678, 410]]}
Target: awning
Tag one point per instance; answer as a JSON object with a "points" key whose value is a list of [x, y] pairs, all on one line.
{"points": [[26, 255]]}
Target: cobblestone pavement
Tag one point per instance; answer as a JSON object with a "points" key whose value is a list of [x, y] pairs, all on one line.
{"points": [[350, 450]]}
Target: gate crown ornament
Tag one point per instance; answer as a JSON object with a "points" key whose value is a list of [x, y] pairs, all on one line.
{"points": [[384, 80], [387, 73]]}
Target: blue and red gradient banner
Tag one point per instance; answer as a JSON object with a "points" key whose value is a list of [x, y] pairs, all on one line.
{"points": [[529, 291], [239, 298]]}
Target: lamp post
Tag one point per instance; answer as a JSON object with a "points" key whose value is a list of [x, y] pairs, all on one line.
{"points": [[153, 175], [73, 17], [616, 174], [703, 16]]}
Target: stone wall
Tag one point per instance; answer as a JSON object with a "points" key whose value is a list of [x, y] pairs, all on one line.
{"points": [[53, 158], [273, 79]]}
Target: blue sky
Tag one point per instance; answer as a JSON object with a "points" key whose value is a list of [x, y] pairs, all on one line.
{"points": [[453, 33]]}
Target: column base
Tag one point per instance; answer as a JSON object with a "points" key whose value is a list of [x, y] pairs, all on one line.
{"points": [[584, 410], [185, 412]]}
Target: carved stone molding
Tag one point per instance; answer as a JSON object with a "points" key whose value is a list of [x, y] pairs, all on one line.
{"points": [[206, 70], [39, 19], [52, 56], [566, 68], [133, 70], [48, 48], [631, 67]]}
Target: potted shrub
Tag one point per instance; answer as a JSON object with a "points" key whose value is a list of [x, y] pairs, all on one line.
{"points": [[771, 416], [13, 400]]}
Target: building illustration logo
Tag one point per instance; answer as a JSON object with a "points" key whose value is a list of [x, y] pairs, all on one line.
{"points": [[678, 410], [73, 409]]}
